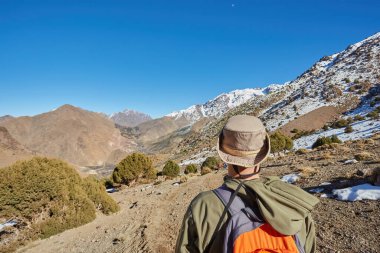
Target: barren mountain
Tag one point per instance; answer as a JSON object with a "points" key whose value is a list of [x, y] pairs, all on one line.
{"points": [[5, 117], [129, 118], [10, 149], [73, 134]]}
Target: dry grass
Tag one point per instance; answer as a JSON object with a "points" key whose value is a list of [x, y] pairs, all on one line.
{"points": [[183, 179], [306, 171], [369, 142], [205, 170], [326, 156], [363, 156]]}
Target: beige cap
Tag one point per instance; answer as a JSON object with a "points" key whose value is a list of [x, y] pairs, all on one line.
{"points": [[243, 141]]}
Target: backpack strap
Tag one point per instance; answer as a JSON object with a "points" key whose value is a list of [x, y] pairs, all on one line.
{"points": [[227, 196], [224, 194]]}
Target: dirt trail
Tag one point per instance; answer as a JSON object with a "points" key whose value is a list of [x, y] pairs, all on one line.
{"points": [[149, 221]]}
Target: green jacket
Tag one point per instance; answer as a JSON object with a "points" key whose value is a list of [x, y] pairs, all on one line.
{"points": [[284, 206]]}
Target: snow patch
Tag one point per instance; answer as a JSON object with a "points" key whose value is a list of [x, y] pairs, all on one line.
{"points": [[291, 178], [317, 190], [359, 192], [9, 223]]}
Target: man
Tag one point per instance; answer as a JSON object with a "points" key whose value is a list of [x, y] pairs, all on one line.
{"points": [[244, 144]]}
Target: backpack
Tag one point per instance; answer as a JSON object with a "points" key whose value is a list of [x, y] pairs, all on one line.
{"points": [[246, 230]]}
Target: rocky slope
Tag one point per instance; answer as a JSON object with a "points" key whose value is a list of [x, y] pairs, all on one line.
{"points": [[70, 133], [342, 82], [129, 118], [10, 149]]}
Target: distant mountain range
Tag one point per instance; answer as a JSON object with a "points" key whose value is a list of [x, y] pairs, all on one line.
{"points": [[129, 118], [333, 85]]}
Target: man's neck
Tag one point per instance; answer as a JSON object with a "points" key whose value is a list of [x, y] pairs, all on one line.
{"points": [[246, 171]]}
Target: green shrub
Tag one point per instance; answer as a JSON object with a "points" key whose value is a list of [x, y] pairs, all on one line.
{"points": [[51, 189], [280, 142], [191, 168], [326, 140], [373, 115], [372, 103], [348, 129], [96, 191], [132, 168], [346, 80], [358, 118], [301, 133], [302, 151], [171, 169], [335, 139], [211, 162], [340, 123]]}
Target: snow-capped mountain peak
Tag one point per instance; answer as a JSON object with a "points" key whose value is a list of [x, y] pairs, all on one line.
{"points": [[218, 106]]}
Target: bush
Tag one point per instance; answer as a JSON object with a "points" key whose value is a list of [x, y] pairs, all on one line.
{"points": [[301, 133], [302, 151], [48, 196], [335, 139], [132, 168], [348, 129], [205, 170], [191, 168], [211, 162], [373, 115], [280, 142], [340, 123], [171, 169], [358, 118], [96, 191], [326, 140]]}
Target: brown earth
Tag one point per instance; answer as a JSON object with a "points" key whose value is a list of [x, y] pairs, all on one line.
{"points": [[313, 120], [10, 149], [78, 136], [151, 215]]}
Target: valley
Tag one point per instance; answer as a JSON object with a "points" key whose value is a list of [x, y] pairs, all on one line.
{"points": [[338, 96]]}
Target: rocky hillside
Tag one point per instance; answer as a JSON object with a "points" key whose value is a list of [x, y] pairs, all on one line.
{"points": [[129, 118], [70, 133], [10, 149], [341, 82]]}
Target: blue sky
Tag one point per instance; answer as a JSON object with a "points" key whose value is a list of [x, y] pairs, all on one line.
{"points": [[160, 56]]}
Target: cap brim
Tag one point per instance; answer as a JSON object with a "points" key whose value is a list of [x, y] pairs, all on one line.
{"points": [[248, 161]]}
